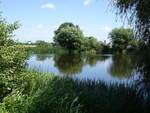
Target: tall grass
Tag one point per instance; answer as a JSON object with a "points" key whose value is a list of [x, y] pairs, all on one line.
{"points": [[46, 93]]}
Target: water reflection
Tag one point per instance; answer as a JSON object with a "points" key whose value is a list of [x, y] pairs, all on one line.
{"points": [[92, 60], [69, 64], [94, 67], [43, 57], [123, 66], [73, 64]]}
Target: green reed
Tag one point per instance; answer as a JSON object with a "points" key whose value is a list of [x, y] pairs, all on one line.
{"points": [[47, 93]]}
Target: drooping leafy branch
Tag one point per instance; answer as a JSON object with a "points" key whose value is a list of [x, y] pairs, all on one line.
{"points": [[138, 14]]}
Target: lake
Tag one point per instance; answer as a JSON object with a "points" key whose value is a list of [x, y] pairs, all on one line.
{"points": [[106, 67]]}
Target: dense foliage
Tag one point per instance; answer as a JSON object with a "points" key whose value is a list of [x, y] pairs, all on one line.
{"points": [[71, 37], [12, 58], [43, 44], [6, 31], [123, 39], [11, 63], [91, 43]]}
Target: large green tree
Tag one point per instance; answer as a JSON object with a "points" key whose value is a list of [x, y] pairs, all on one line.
{"points": [[66, 24], [69, 36], [123, 39]]}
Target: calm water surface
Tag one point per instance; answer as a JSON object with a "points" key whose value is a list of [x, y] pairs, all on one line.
{"points": [[97, 67]]}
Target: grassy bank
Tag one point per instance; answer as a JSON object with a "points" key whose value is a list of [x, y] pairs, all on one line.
{"points": [[43, 50], [46, 93]]}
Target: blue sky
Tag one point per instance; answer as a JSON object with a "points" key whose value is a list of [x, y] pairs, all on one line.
{"points": [[39, 18]]}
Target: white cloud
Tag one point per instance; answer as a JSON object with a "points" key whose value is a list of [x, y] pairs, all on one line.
{"points": [[40, 26], [87, 2], [48, 5], [105, 28]]}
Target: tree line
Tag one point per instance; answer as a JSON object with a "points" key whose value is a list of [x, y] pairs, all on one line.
{"points": [[70, 37]]}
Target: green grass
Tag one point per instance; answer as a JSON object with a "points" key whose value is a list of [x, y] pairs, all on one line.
{"points": [[46, 93], [42, 50], [45, 50]]}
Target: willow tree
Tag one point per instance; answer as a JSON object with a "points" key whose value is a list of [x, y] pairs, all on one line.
{"points": [[138, 14]]}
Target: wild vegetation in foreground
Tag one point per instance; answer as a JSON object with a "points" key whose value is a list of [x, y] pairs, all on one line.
{"points": [[45, 93]]}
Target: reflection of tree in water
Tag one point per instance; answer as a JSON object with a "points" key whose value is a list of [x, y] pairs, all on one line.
{"points": [[122, 66], [92, 60], [42, 57], [69, 64], [73, 64]]}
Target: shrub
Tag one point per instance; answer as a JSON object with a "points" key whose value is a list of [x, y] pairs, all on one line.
{"points": [[12, 61]]}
